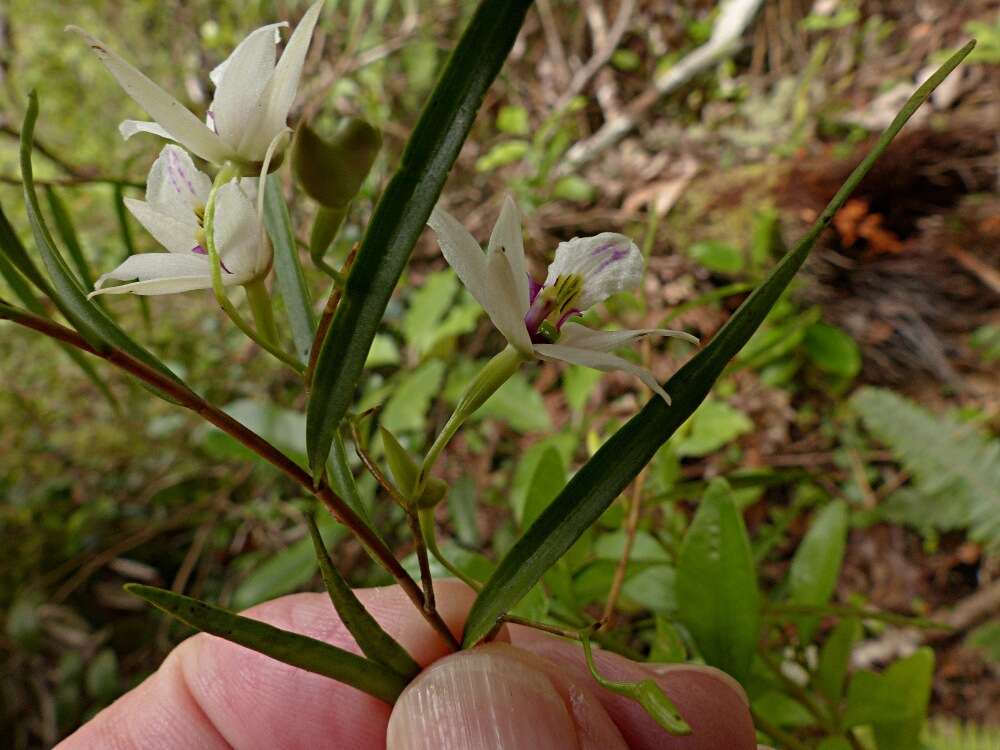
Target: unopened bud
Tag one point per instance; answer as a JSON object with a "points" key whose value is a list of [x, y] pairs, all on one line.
{"points": [[331, 171]]}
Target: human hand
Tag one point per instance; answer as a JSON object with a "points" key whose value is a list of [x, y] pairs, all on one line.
{"points": [[527, 690]]}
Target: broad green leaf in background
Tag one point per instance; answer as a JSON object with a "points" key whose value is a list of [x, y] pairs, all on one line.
{"points": [[832, 350], [578, 384], [549, 477], [516, 402], [835, 658], [287, 269], [668, 646], [713, 425], [462, 503], [415, 391], [564, 442], [717, 596], [502, 154], [834, 743], [402, 211], [513, 120], [287, 570], [428, 306], [592, 489], [285, 646], [894, 703], [718, 257], [815, 568], [96, 327]]}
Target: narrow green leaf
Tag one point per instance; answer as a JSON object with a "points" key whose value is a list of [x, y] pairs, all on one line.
{"points": [[88, 319], [403, 468], [128, 243], [290, 648], [717, 596], [369, 635], [290, 280], [835, 658], [12, 247], [592, 489], [343, 483], [67, 232], [816, 566], [401, 213]]}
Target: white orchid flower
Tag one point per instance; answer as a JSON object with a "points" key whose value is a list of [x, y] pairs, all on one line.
{"points": [[253, 95], [535, 318], [173, 212]]}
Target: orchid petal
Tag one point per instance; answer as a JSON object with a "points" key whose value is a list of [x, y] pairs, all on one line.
{"points": [[576, 335], [175, 186], [508, 238], [238, 105], [238, 234], [276, 101], [175, 234], [128, 128], [488, 278], [174, 117], [157, 273], [608, 263], [505, 308], [599, 361]]}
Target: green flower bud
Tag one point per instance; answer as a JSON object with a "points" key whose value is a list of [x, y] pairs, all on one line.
{"points": [[401, 465], [433, 493], [331, 171]]}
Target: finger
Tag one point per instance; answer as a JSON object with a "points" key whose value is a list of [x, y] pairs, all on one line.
{"points": [[712, 702], [498, 697], [211, 693]]}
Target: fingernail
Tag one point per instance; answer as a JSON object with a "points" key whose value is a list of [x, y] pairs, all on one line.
{"points": [[480, 700]]}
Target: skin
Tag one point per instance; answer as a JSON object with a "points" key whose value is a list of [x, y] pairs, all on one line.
{"points": [[526, 690]]}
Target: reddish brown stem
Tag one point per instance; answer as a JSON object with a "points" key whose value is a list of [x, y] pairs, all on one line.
{"points": [[187, 398]]}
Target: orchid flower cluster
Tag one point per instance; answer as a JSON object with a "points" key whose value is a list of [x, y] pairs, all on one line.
{"points": [[215, 237]]}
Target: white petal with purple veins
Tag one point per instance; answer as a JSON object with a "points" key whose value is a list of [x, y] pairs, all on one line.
{"points": [[175, 186], [128, 128], [175, 234], [239, 236], [608, 263]]}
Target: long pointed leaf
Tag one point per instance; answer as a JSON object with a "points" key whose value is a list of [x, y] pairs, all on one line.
{"points": [[592, 489], [369, 635], [291, 282], [401, 213], [96, 327], [290, 648], [67, 232]]}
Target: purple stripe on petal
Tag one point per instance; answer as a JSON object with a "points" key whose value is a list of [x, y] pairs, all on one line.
{"points": [[566, 316], [199, 250], [177, 175], [616, 256]]}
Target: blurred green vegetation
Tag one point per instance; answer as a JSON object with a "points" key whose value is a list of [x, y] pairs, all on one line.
{"points": [[821, 468]]}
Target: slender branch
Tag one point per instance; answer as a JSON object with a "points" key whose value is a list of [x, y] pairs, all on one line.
{"points": [[632, 526], [375, 470], [420, 547], [187, 398], [327, 317]]}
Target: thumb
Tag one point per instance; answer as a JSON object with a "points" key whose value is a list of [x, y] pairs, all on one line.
{"points": [[498, 697]]}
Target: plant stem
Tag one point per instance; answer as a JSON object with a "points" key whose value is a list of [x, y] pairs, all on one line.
{"points": [[632, 526], [420, 547], [798, 693], [187, 398], [426, 520], [327, 317], [226, 173], [494, 374]]}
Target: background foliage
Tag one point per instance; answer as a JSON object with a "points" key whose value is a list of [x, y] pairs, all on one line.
{"points": [[856, 432]]}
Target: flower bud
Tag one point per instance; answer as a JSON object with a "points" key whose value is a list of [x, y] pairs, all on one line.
{"points": [[331, 171], [433, 493], [402, 467]]}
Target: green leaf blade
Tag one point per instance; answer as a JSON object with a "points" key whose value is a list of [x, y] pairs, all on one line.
{"points": [[369, 635], [592, 489], [401, 213], [290, 648], [717, 593], [290, 279], [815, 567]]}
